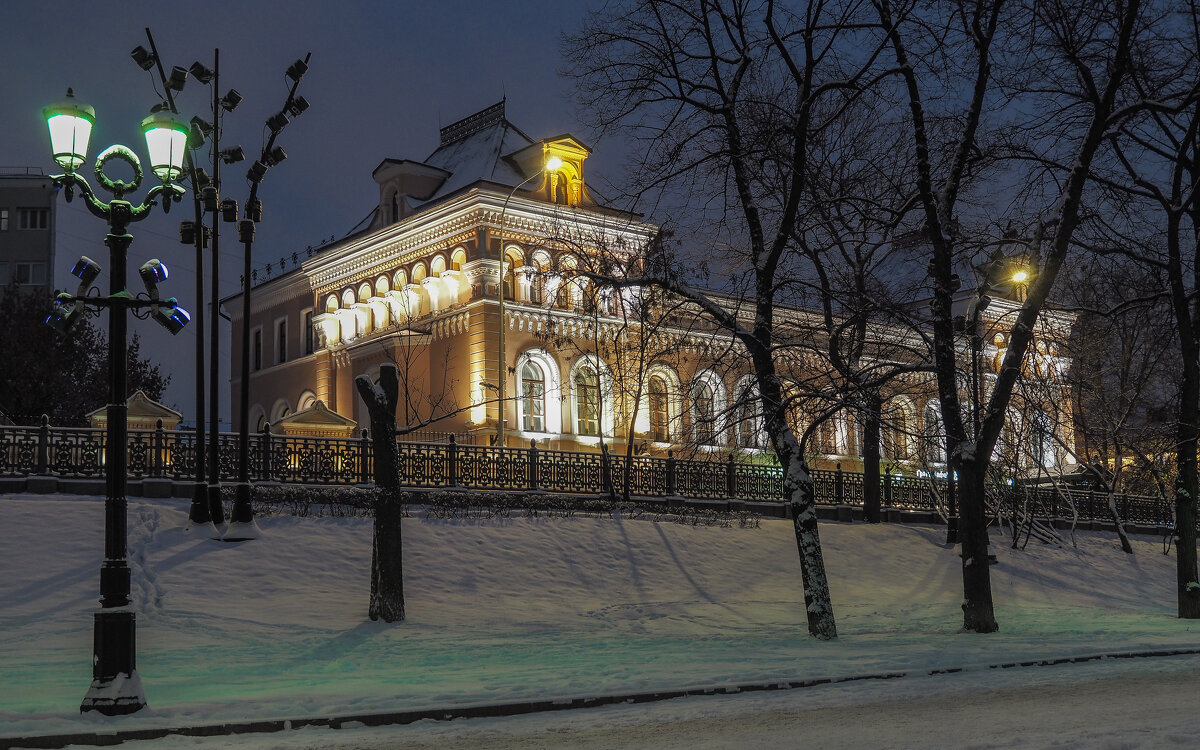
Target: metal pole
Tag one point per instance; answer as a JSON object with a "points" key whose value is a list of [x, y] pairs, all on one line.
{"points": [[216, 509]]}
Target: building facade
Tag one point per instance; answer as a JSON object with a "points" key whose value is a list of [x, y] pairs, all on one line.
{"points": [[534, 349], [27, 204]]}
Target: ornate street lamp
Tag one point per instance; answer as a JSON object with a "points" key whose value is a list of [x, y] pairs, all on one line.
{"points": [[116, 687], [552, 164]]}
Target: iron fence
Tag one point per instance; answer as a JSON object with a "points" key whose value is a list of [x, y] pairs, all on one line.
{"points": [[78, 453]]}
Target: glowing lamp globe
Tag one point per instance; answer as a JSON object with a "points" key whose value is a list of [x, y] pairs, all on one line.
{"points": [[1020, 276], [70, 124], [166, 139], [553, 164]]}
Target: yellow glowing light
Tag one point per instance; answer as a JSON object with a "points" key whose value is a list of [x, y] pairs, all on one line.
{"points": [[553, 164], [1020, 276]]}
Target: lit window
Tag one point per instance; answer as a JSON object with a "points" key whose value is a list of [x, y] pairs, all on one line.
{"points": [[3, 219], [705, 414], [533, 398], [587, 401], [659, 411]]}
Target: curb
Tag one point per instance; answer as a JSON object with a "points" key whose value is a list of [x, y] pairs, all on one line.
{"points": [[496, 710]]}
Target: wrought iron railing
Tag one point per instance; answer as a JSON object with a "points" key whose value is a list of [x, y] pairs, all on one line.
{"points": [[78, 453]]}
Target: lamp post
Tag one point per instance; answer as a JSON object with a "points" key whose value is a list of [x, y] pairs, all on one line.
{"points": [[116, 687], [552, 164]]}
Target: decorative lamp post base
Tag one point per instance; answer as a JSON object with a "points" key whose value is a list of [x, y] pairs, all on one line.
{"points": [[199, 518], [116, 687]]}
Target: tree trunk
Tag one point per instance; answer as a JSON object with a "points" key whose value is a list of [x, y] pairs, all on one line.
{"points": [[978, 616], [387, 560], [872, 416]]}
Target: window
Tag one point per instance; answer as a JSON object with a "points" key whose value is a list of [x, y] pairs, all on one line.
{"points": [[309, 343], [257, 349], [587, 401], [935, 441], [31, 273], [660, 414], [3, 219], [281, 341], [705, 414], [33, 218], [533, 398], [749, 419]]}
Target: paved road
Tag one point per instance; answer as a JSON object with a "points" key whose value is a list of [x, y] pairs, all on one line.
{"points": [[1105, 705]]}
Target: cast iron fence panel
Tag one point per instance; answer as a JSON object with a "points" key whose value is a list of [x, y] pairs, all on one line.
{"points": [[828, 486], [76, 452], [313, 460], [753, 482], [19, 451], [493, 468], [647, 476], [908, 493], [565, 471], [179, 456], [701, 479], [424, 464]]}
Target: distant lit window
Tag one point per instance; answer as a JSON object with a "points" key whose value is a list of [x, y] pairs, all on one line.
{"points": [[33, 218], [705, 414], [3, 219], [659, 411]]}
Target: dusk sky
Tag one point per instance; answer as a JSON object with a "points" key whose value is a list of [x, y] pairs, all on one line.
{"points": [[384, 76]]}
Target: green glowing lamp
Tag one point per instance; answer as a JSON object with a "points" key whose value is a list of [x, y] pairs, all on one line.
{"points": [[70, 125], [166, 139]]}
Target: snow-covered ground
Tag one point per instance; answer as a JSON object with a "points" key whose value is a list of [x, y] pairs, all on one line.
{"points": [[513, 609]]}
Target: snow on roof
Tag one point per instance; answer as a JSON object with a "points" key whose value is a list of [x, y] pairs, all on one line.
{"points": [[479, 155]]}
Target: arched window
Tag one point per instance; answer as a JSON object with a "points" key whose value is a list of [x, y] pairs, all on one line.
{"points": [[748, 413], [533, 398], [660, 411], [1043, 441], [935, 440], [381, 286], [897, 426], [704, 414], [587, 401], [331, 303], [458, 258], [348, 299]]}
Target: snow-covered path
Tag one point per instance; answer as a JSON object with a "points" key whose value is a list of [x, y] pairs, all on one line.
{"points": [[515, 609]]}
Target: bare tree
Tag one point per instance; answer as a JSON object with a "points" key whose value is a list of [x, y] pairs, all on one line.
{"points": [[725, 97], [1049, 81]]}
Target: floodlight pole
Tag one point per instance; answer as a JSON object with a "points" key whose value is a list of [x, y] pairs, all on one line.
{"points": [[241, 519], [216, 508]]}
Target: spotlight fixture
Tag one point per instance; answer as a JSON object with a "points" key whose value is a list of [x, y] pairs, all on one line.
{"points": [[257, 172], [63, 316], [152, 272], [86, 270], [229, 210], [202, 178], [205, 126], [177, 79], [233, 155], [277, 122], [297, 70], [209, 196], [230, 101], [187, 233], [298, 106], [254, 210], [170, 315], [274, 156], [200, 72], [195, 138], [143, 58]]}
